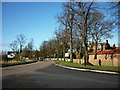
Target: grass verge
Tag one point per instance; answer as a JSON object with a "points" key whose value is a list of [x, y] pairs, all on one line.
{"points": [[17, 63], [91, 67]]}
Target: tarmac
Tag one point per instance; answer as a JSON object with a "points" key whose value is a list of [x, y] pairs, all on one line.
{"points": [[87, 69]]}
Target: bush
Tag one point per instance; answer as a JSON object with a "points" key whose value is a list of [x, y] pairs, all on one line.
{"points": [[90, 50], [4, 58], [17, 57]]}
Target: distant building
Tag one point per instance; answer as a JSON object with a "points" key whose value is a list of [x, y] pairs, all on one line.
{"points": [[109, 56], [10, 54]]}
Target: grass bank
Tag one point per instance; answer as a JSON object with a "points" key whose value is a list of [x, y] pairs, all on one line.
{"points": [[92, 67], [17, 63]]}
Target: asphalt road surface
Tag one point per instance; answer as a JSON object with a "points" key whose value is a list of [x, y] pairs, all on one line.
{"points": [[45, 74]]}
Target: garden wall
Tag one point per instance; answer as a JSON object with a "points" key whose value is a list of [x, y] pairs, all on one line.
{"points": [[106, 60]]}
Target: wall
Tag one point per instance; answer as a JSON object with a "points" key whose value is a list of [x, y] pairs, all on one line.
{"points": [[80, 61], [106, 60]]}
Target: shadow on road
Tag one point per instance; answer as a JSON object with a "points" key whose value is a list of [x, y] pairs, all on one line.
{"points": [[22, 81]]}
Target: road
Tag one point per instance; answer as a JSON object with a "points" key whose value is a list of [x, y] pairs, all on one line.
{"points": [[45, 74]]}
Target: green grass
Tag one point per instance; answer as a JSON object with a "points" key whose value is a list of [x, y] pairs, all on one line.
{"points": [[92, 67], [17, 63]]}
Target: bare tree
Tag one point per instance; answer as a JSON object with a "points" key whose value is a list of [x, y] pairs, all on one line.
{"points": [[21, 40], [99, 28], [58, 47], [14, 46], [66, 19], [82, 14], [44, 49], [29, 46], [62, 38]]}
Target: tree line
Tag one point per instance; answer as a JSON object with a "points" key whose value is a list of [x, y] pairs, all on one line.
{"points": [[22, 49], [18, 45], [81, 24]]}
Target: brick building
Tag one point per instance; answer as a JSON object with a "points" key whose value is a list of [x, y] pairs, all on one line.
{"points": [[106, 55]]}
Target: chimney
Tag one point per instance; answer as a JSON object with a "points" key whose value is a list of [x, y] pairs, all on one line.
{"points": [[107, 45], [106, 41], [113, 45]]}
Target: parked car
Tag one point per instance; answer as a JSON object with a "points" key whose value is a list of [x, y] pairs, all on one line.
{"points": [[37, 59], [41, 59]]}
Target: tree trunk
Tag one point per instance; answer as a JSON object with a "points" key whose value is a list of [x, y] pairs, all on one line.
{"points": [[71, 33], [64, 53], [96, 45], [86, 52], [71, 59], [20, 48], [80, 53], [57, 55]]}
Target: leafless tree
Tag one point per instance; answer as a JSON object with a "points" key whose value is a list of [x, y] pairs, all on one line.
{"points": [[66, 19], [29, 46], [44, 49], [82, 14], [14, 46], [21, 40], [62, 38], [100, 29], [58, 47]]}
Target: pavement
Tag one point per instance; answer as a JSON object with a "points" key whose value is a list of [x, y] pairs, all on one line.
{"points": [[87, 69]]}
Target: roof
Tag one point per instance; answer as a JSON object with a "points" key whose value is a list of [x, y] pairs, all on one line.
{"points": [[110, 51], [117, 47], [10, 51]]}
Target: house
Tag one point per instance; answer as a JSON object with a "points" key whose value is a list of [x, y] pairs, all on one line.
{"points": [[107, 55], [10, 54]]}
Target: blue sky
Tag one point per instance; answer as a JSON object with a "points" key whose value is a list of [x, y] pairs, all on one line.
{"points": [[33, 19]]}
